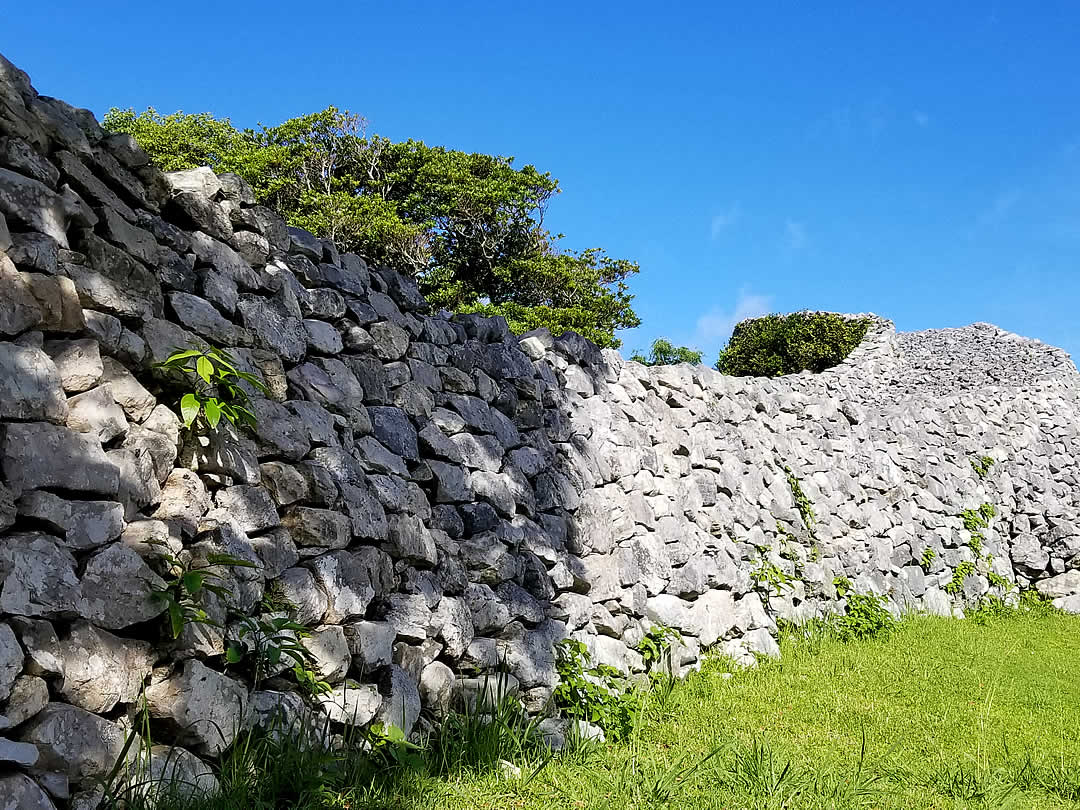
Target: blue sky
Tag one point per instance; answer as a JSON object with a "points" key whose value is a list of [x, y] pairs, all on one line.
{"points": [[922, 163]]}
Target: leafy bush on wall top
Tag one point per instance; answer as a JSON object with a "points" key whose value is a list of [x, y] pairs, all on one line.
{"points": [[787, 344], [666, 353]]}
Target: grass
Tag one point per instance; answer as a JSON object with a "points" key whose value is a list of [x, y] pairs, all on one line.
{"points": [[940, 714]]}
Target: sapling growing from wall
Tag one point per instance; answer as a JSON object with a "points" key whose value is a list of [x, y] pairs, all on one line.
{"points": [[187, 581], [211, 387]]}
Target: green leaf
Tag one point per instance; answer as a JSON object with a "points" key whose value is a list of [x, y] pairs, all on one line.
{"points": [[234, 654], [205, 369], [273, 656], [189, 409], [177, 356], [193, 581], [213, 412], [176, 619]]}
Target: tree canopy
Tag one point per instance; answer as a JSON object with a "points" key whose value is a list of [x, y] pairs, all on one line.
{"points": [[469, 226], [665, 353]]}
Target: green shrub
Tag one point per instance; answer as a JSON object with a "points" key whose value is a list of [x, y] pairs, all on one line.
{"points": [[866, 617], [666, 353], [598, 694], [787, 344]]}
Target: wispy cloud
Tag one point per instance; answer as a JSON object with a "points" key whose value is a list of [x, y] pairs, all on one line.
{"points": [[714, 327], [725, 219], [794, 235]]}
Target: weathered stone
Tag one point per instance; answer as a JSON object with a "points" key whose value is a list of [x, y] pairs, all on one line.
{"points": [[250, 506], [530, 654], [184, 500], [18, 791], [352, 703], [95, 412], [343, 578], [128, 393], [90, 186], [401, 700], [31, 387], [82, 524], [77, 361], [227, 451], [29, 695], [410, 540], [329, 652], [75, 742], [479, 452], [201, 180], [371, 644], [19, 307], [58, 302], [11, 660], [26, 200], [114, 282], [319, 528], [284, 482], [117, 585], [203, 319], [101, 670], [391, 341], [38, 455], [392, 427], [1061, 586], [204, 707], [274, 327], [298, 587], [38, 577], [171, 771], [493, 488]]}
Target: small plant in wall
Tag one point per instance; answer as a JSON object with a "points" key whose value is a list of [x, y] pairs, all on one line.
{"points": [[842, 585], [802, 503], [982, 465], [927, 558], [769, 575], [656, 644], [212, 388], [186, 583], [596, 694], [959, 574], [866, 616], [271, 639]]}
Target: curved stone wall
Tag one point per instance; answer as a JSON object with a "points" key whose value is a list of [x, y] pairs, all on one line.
{"points": [[433, 497]]}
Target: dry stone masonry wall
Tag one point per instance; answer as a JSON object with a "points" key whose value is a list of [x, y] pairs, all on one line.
{"points": [[435, 498]]}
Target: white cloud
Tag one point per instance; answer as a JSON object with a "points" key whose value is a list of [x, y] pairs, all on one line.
{"points": [[714, 327], [725, 219], [795, 234]]}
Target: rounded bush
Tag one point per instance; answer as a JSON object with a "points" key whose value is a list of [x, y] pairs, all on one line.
{"points": [[787, 344]]}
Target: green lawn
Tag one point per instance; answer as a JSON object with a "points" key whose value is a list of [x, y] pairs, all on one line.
{"points": [[942, 714]]}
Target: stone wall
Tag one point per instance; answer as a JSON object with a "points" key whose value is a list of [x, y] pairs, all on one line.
{"points": [[435, 498]]}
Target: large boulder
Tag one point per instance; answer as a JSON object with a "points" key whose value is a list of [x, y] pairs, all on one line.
{"points": [[75, 742], [101, 670], [204, 708]]}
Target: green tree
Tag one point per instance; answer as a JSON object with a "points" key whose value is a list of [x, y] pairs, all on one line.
{"points": [[787, 344], [666, 353], [468, 226]]}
